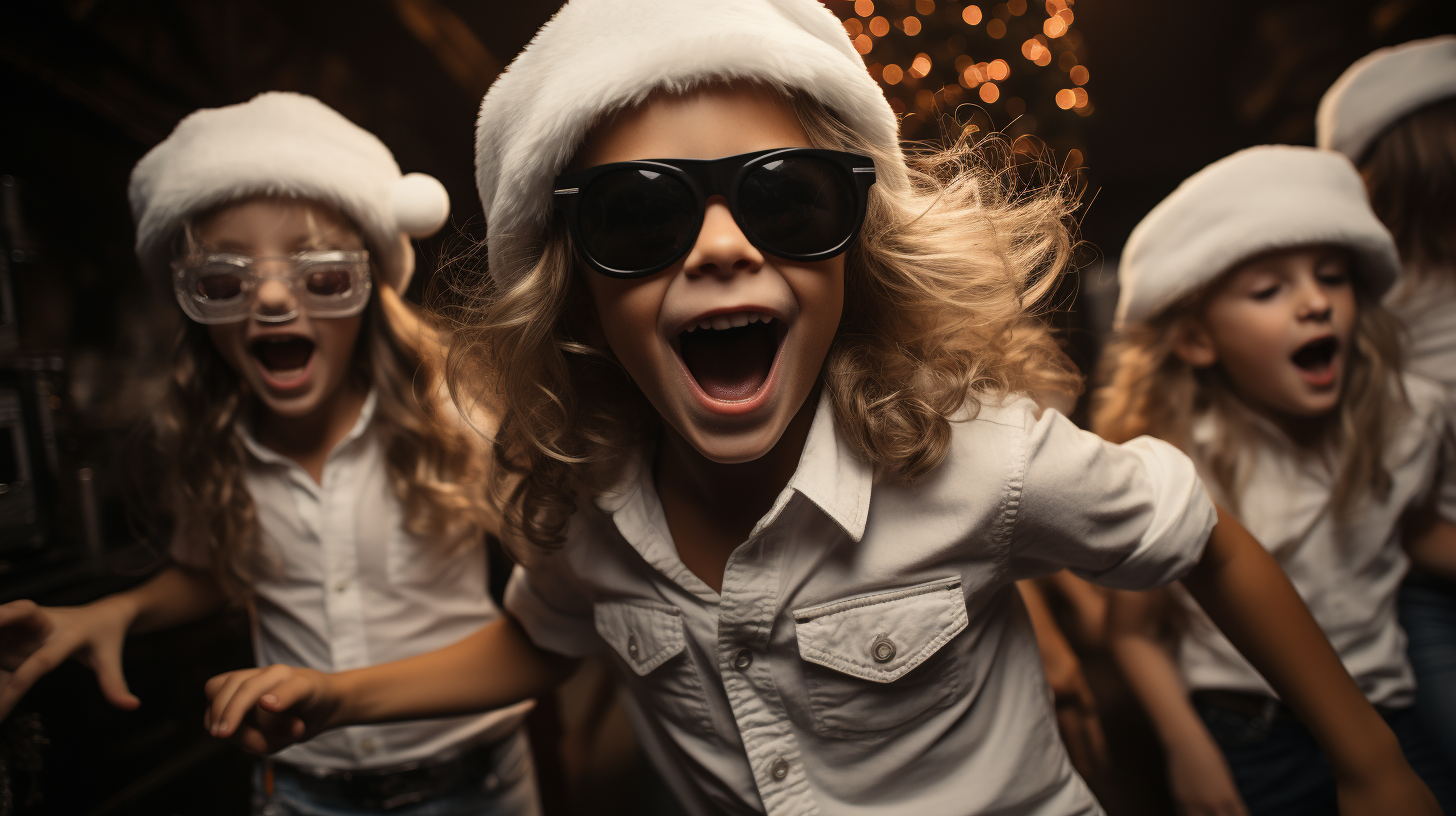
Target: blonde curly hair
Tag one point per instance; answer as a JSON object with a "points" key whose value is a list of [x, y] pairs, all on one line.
{"points": [[940, 287]]}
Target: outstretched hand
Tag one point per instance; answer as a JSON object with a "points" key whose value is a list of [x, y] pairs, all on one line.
{"points": [[36, 639], [266, 710]]}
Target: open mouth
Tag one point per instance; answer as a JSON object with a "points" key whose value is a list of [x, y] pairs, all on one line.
{"points": [[731, 355], [283, 358], [1316, 356]]}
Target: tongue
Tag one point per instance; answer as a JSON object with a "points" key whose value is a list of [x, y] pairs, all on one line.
{"points": [[730, 364], [284, 355]]}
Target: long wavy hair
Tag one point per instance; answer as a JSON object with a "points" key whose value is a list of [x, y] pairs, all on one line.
{"points": [[1410, 172], [1146, 388], [940, 289], [434, 459]]}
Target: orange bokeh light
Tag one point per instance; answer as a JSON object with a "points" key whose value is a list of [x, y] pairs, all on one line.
{"points": [[990, 93], [864, 8], [863, 44], [1017, 7], [972, 15], [996, 29], [925, 7], [853, 27], [1066, 99], [879, 26], [912, 25], [893, 74], [925, 99], [1044, 58], [1079, 95], [1074, 160], [1054, 27], [1080, 75], [920, 66], [998, 69]]}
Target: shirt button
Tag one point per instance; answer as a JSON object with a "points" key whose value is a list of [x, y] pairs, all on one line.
{"points": [[743, 659], [632, 648], [883, 650], [341, 585], [780, 769]]}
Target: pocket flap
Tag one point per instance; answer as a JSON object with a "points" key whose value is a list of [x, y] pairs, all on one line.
{"points": [[881, 637], [645, 633]]}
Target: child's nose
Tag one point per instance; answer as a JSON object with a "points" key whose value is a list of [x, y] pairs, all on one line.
{"points": [[1314, 303], [273, 299], [721, 249]]}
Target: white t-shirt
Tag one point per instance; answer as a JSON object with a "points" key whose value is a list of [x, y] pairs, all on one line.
{"points": [[1346, 573], [869, 653], [354, 588]]}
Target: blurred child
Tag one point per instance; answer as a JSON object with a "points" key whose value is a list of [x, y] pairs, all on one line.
{"points": [[1252, 337], [317, 471], [764, 441], [1394, 114]]}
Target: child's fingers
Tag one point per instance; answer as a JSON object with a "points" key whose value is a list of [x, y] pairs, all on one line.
{"points": [[220, 692], [291, 691], [106, 662], [38, 665], [245, 695], [17, 611]]}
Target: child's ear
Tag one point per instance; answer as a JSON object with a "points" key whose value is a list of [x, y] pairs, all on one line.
{"points": [[1193, 344]]}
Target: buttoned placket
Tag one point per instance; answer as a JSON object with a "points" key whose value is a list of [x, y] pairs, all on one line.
{"points": [[747, 608], [329, 512]]}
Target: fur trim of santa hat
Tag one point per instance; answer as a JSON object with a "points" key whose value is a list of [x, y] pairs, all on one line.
{"points": [[1257, 200], [597, 56], [290, 145], [1382, 87]]}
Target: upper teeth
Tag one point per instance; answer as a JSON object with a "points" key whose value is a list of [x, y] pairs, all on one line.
{"points": [[730, 320]]}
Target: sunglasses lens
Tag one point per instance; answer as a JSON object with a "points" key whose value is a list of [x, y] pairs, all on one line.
{"points": [[635, 218], [798, 205]]}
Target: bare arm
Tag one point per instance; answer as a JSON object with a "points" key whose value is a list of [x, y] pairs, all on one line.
{"points": [[1245, 592], [35, 639], [267, 709], [1076, 708], [1198, 773]]}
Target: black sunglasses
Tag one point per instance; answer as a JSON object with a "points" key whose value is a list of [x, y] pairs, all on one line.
{"points": [[636, 218]]}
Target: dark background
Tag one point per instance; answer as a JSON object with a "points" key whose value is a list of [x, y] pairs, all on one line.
{"points": [[87, 86]]}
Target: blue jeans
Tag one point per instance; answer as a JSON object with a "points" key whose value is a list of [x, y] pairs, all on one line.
{"points": [[1280, 771], [1428, 614], [507, 790]]}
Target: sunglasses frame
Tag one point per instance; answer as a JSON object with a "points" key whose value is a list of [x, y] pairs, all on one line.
{"points": [[707, 178]]}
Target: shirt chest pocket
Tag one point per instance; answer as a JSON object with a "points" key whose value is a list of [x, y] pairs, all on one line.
{"points": [[650, 639], [879, 662]]}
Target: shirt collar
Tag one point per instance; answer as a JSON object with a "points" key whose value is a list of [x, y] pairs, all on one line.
{"points": [[269, 456]]}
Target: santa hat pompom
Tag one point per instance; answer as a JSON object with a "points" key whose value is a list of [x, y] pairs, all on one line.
{"points": [[420, 205]]}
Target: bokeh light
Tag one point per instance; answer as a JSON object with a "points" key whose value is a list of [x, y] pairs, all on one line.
{"points": [[925, 7], [920, 66], [1017, 7], [1054, 27], [893, 74], [972, 15], [879, 26], [864, 8], [989, 92], [998, 69], [1080, 75], [911, 25], [995, 29], [1067, 60], [853, 27], [1066, 99], [925, 99], [863, 44]]}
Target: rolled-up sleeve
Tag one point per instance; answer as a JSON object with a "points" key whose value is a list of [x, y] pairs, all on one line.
{"points": [[551, 606], [1130, 516]]}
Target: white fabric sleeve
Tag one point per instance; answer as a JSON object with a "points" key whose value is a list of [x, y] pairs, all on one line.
{"points": [[550, 605], [1131, 516]]}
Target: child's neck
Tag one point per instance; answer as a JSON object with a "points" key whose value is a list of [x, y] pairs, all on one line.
{"points": [[712, 507], [309, 439]]}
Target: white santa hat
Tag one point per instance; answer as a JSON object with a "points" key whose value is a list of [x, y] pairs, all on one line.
{"points": [[1258, 200], [289, 145], [597, 56], [1382, 87]]}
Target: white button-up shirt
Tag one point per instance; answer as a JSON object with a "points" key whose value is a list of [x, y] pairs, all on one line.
{"points": [[352, 588], [869, 653], [1347, 573], [1427, 309]]}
